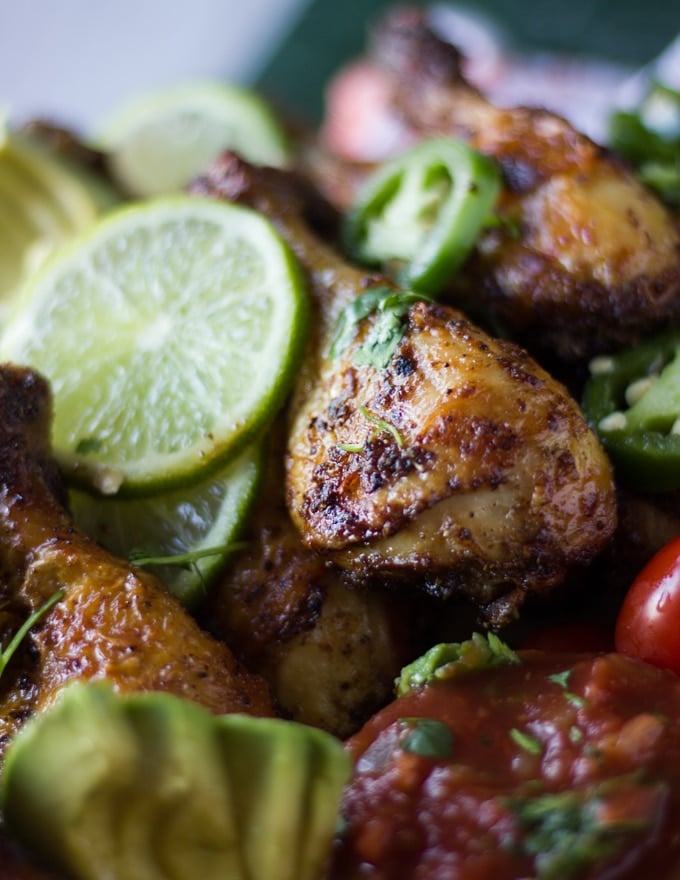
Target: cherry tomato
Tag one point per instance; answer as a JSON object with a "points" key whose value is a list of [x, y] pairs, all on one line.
{"points": [[648, 625]]}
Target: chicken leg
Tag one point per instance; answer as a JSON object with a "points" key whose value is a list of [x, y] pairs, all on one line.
{"points": [[114, 621]]}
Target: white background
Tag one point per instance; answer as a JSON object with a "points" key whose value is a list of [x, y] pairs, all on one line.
{"points": [[76, 60]]}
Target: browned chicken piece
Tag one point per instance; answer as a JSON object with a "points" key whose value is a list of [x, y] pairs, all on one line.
{"points": [[461, 465], [114, 621], [330, 652], [588, 260]]}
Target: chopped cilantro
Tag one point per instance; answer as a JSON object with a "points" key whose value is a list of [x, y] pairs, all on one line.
{"points": [[568, 831], [390, 307], [560, 678], [427, 737], [526, 741], [381, 425], [576, 699]]}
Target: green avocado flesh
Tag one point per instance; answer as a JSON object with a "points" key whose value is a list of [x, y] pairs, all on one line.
{"points": [[154, 787]]}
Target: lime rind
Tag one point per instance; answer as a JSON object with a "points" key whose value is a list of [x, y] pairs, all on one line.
{"points": [[159, 141], [170, 332], [208, 516]]}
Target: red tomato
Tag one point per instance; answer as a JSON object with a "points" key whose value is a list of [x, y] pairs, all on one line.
{"points": [[648, 625]]}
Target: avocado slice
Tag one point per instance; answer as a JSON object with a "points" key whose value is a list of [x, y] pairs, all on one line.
{"points": [[285, 816], [154, 787]]}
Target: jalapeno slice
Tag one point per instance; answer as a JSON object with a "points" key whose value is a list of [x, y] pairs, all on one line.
{"points": [[419, 215], [632, 400]]}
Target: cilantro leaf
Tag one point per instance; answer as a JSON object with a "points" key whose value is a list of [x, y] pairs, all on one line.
{"points": [[428, 738], [390, 307]]}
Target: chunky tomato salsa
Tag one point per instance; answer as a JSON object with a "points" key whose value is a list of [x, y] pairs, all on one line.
{"points": [[554, 766]]}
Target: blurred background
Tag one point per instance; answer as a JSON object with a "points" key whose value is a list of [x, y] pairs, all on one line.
{"points": [[77, 59], [629, 32]]}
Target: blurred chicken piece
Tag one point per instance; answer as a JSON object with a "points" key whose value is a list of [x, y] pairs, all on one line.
{"points": [[330, 652], [18, 865], [495, 486], [587, 260], [114, 621]]}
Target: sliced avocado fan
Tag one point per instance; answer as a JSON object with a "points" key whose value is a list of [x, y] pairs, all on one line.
{"points": [[154, 787]]}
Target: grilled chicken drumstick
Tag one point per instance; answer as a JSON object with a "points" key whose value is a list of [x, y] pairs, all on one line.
{"points": [[589, 260], [460, 465], [330, 650], [114, 621]]}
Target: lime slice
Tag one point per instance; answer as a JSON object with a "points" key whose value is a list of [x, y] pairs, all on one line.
{"points": [[180, 525], [169, 332], [41, 206], [162, 140]]}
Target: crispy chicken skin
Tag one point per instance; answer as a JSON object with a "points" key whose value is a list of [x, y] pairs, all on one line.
{"points": [[496, 486], [589, 260], [114, 621], [330, 651]]}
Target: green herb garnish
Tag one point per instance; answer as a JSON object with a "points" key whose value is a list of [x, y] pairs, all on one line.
{"points": [[379, 423], [27, 625], [560, 678], [452, 659], [391, 307], [143, 557], [383, 426], [526, 741], [567, 832], [427, 737]]}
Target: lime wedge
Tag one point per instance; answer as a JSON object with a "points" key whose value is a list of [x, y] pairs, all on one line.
{"points": [[169, 332], [199, 524], [160, 141]]}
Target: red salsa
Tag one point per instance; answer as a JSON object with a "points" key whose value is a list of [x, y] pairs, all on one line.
{"points": [[561, 766]]}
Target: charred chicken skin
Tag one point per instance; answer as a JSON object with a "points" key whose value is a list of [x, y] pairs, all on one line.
{"points": [[330, 650], [588, 260], [114, 621], [483, 479]]}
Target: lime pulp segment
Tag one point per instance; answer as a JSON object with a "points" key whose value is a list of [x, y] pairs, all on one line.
{"points": [[169, 333]]}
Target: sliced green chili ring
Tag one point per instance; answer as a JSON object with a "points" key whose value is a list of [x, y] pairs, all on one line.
{"points": [[420, 214], [639, 437]]}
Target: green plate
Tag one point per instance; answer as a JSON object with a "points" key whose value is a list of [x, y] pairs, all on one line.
{"points": [[328, 33]]}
